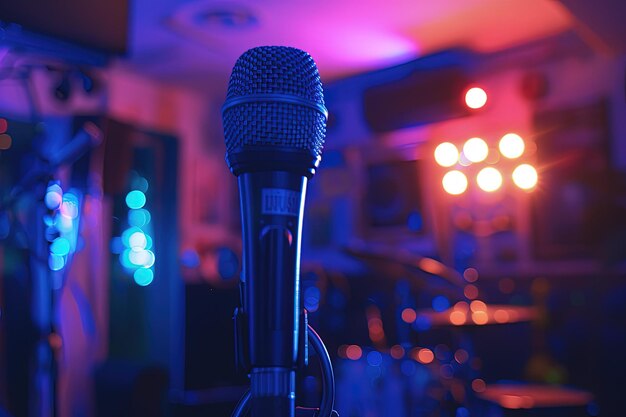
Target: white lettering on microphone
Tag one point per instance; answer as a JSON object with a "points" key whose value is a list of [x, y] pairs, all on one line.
{"points": [[279, 201]]}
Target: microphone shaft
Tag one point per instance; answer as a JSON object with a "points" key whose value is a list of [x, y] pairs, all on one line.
{"points": [[272, 204]]}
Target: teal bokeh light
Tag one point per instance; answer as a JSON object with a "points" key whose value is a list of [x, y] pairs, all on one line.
{"points": [[138, 217], [143, 276], [60, 246], [135, 199]]}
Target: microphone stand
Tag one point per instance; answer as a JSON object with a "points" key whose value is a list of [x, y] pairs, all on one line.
{"points": [[328, 379]]}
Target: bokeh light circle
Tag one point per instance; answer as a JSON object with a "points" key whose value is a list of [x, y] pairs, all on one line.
{"points": [[475, 150], [525, 176], [475, 98], [454, 182], [489, 179], [446, 154], [511, 145]]}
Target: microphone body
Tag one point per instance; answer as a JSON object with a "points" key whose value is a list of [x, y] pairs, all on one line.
{"points": [[274, 125], [272, 204]]}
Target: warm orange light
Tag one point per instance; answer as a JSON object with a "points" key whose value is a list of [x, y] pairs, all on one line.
{"points": [[501, 316], [454, 182], [461, 306], [475, 98], [457, 317], [478, 385], [511, 145], [425, 356], [354, 352], [480, 317], [478, 305], [470, 275], [525, 176], [446, 154], [409, 315], [397, 352], [489, 179], [470, 291], [475, 150]]}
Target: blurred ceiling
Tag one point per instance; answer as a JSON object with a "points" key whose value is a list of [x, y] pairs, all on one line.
{"points": [[197, 42]]}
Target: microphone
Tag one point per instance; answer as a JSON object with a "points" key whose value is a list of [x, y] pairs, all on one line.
{"points": [[274, 122]]}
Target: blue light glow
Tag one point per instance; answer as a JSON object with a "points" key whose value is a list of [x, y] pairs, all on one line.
{"points": [[415, 221], [139, 183], [374, 358], [137, 241], [117, 246], [190, 259], [143, 276], [462, 412], [60, 246], [138, 217], [143, 258], [408, 367], [128, 233], [135, 199], [125, 259], [312, 299], [440, 303], [148, 242], [69, 206], [64, 224], [422, 322], [54, 196], [56, 262]]}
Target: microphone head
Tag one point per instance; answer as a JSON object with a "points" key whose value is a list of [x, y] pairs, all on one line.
{"points": [[274, 112]]}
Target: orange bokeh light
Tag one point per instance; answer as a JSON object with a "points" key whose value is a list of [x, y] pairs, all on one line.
{"points": [[425, 356], [397, 352], [409, 315], [457, 317], [354, 352]]}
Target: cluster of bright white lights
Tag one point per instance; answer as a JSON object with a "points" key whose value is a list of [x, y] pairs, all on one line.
{"points": [[475, 150], [135, 244]]}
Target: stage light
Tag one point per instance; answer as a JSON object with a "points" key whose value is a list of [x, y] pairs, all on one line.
{"points": [[475, 98], [489, 179], [425, 356], [69, 206], [454, 182], [354, 352], [440, 303], [135, 199], [475, 150], [56, 262], [408, 315], [446, 154], [54, 196], [137, 241], [143, 277], [4, 125], [60, 246], [138, 217], [525, 176], [511, 146], [374, 358]]}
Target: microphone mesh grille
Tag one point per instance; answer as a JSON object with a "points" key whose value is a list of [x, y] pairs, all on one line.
{"points": [[275, 70]]}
